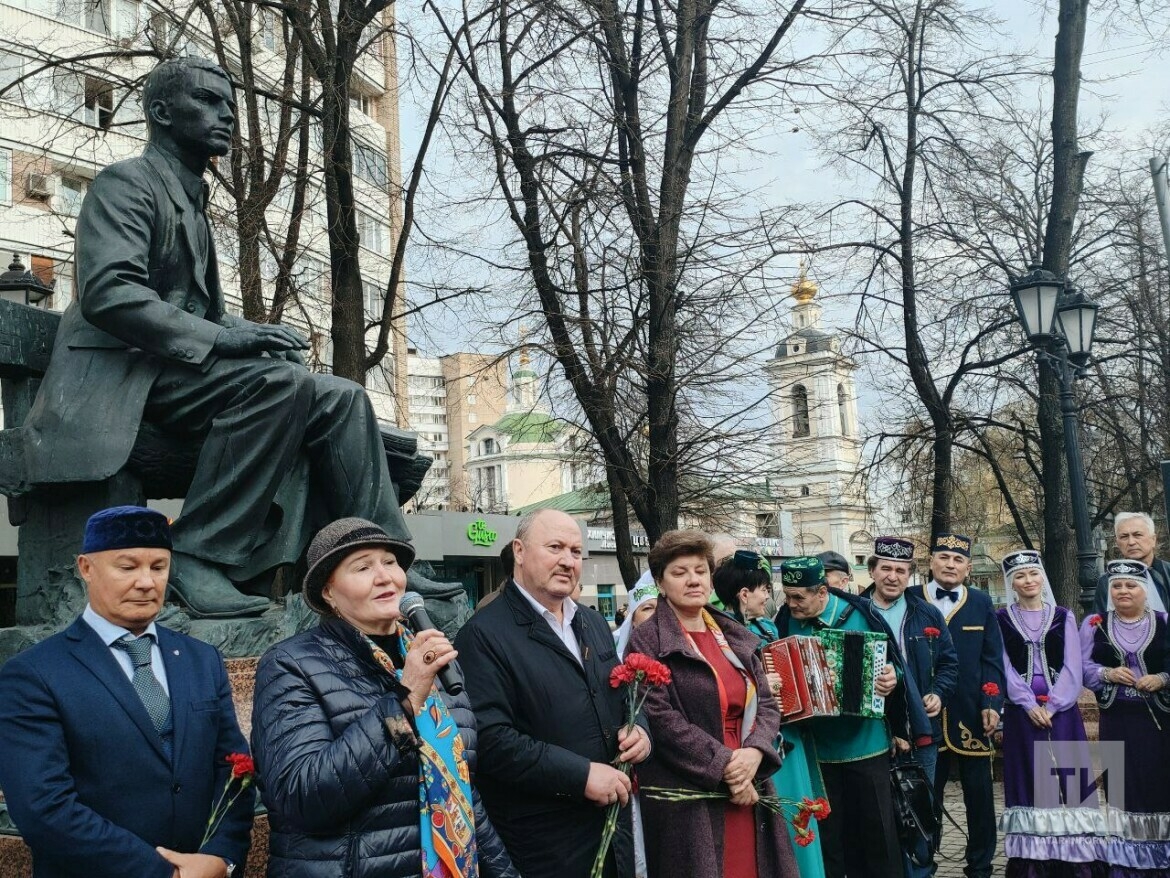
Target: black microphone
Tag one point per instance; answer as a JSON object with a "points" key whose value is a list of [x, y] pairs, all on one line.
{"points": [[414, 609]]}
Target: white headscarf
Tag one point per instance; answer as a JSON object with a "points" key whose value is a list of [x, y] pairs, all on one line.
{"points": [[1026, 559], [1124, 568], [644, 590]]}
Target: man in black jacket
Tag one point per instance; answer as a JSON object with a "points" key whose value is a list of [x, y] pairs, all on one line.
{"points": [[927, 649], [537, 668], [1136, 539]]}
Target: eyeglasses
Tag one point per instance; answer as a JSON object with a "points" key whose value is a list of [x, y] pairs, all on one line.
{"points": [[745, 559]]}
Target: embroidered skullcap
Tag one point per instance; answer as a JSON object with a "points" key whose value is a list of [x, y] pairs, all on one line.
{"points": [[951, 542], [1021, 560], [126, 527], [1124, 568], [893, 549], [805, 572]]}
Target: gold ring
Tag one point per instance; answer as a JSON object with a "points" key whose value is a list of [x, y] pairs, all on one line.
{"points": [[429, 656]]}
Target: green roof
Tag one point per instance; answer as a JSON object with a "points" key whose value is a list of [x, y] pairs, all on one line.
{"points": [[594, 498], [529, 427]]}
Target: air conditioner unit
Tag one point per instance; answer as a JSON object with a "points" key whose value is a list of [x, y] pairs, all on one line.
{"points": [[41, 186]]}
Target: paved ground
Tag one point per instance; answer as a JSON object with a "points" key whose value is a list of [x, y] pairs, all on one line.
{"points": [[950, 858]]}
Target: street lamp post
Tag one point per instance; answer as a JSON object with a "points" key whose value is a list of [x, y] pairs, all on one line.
{"points": [[1059, 322]]}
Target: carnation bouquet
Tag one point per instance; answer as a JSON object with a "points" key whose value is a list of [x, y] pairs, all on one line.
{"points": [[638, 674], [803, 811], [243, 771]]}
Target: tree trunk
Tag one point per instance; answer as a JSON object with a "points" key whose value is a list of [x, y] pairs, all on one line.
{"points": [[1067, 179]]}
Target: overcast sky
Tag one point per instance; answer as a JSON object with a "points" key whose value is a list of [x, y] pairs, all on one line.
{"points": [[1125, 85]]}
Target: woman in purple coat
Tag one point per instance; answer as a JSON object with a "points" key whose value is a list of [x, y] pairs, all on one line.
{"points": [[1042, 661], [715, 729]]}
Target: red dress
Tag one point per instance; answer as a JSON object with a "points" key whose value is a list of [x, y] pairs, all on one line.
{"points": [[739, 821]]}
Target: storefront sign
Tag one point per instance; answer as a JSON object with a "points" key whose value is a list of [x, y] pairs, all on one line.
{"points": [[604, 538], [479, 534]]}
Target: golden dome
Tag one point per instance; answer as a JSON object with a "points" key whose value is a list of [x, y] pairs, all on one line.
{"points": [[804, 290]]}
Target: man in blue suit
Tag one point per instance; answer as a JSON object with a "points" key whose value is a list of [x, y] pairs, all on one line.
{"points": [[972, 713], [115, 733]]}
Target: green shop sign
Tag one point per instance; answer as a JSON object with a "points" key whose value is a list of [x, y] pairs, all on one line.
{"points": [[479, 534]]}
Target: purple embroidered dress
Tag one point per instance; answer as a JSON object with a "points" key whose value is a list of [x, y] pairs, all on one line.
{"points": [[1043, 664], [1138, 833]]}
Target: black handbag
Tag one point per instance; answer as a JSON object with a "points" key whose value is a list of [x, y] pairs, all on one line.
{"points": [[914, 808]]}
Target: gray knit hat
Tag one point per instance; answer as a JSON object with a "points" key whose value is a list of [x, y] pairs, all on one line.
{"points": [[333, 542]]}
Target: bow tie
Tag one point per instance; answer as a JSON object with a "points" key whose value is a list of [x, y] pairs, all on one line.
{"points": [[943, 594]]}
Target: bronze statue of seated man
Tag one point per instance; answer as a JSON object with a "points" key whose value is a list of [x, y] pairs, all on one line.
{"points": [[148, 339]]}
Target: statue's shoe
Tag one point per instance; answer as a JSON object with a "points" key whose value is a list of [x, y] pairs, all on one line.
{"points": [[208, 593]]}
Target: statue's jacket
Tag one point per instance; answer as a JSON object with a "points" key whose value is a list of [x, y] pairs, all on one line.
{"points": [[146, 296]]}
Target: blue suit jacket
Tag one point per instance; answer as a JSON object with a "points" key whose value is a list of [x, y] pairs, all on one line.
{"points": [[84, 773], [979, 644], [931, 662]]}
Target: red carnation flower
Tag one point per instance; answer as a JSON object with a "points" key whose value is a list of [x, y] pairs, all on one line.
{"points": [[242, 765], [991, 690], [1094, 621], [931, 632], [1042, 699], [656, 673], [622, 675], [805, 840]]}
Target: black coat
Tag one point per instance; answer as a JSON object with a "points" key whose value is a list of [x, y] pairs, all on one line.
{"points": [[905, 715], [1159, 571], [543, 717], [342, 797], [931, 662], [979, 643]]}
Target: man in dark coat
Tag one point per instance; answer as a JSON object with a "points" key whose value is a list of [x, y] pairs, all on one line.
{"points": [[1136, 539], [859, 839], [927, 649], [537, 668], [972, 713], [115, 733], [148, 338]]}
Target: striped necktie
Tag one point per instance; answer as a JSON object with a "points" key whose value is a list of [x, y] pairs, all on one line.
{"points": [[154, 697]]}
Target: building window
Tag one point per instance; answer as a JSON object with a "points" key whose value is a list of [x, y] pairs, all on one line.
{"points": [[605, 602], [369, 164], [768, 525], [267, 30], [800, 423], [90, 14], [372, 297], [843, 409], [128, 14], [69, 196], [5, 176], [367, 104], [373, 235], [489, 446]]}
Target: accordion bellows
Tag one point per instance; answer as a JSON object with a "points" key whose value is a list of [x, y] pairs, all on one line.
{"points": [[831, 674]]}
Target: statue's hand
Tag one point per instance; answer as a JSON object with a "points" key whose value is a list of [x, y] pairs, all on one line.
{"points": [[253, 339]]}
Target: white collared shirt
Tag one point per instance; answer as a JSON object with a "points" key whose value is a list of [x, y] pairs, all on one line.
{"points": [[109, 632], [563, 629], [947, 605]]}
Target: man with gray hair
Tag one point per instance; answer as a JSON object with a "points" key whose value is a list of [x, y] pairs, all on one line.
{"points": [[1136, 539]]}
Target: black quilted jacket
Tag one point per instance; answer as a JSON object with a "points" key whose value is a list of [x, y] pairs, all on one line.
{"points": [[342, 798]]}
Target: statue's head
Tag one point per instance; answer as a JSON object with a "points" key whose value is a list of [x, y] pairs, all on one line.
{"points": [[190, 106]]}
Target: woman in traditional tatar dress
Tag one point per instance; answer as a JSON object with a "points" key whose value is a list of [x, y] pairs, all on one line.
{"points": [[1126, 664], [1043, 664]]}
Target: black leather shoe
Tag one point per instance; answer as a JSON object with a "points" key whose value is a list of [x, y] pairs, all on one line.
{"points": [[208, 593]]}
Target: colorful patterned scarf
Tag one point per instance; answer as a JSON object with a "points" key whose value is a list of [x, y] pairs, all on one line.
{"points": [[750, 703], [446, 814]]}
